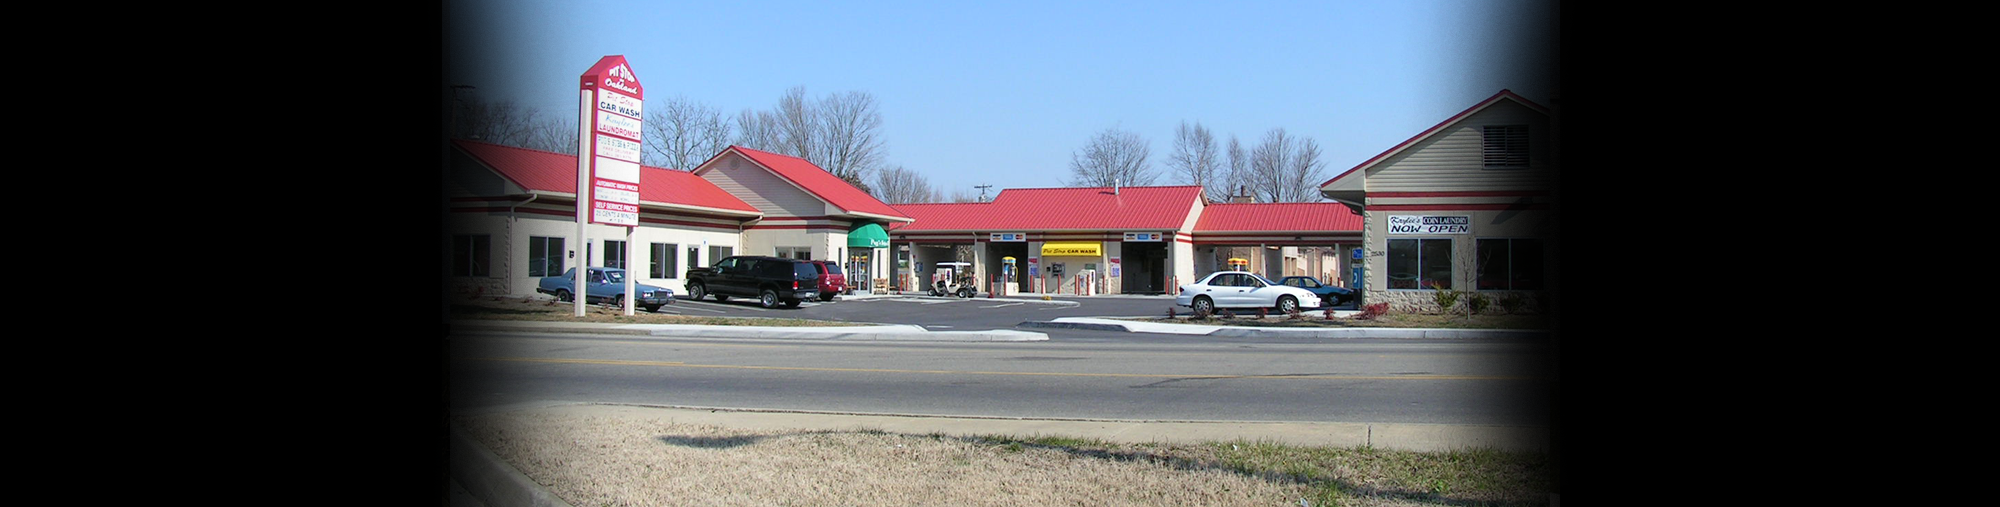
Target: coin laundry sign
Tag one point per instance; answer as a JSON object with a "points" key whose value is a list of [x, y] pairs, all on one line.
{"points": [[1425, 224], [611, 115]]}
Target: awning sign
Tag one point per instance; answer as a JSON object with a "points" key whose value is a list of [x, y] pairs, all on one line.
{"points": [[1430, 224], [1072, 249]]}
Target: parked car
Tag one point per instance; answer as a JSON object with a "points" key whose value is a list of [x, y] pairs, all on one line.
{"points": [[831, 280], [605, 285], [1241, 289], [772, 280], [1332, 295]]}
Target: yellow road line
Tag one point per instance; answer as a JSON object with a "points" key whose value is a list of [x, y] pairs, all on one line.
{"points": [[677, 364]]}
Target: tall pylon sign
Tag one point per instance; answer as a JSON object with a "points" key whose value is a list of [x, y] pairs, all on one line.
{"points": [[611, 136], [607, 162]]}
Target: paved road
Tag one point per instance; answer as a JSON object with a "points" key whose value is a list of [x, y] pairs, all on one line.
{"points": [[1076, 374], [944, 313]]}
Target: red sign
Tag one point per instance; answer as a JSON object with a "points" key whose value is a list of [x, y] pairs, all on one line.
{"points": [[611, 118]]}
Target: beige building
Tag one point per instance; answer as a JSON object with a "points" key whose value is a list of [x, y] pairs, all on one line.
{"points": [[1464, 205]]}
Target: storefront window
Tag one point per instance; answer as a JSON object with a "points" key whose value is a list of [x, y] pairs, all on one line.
{"points": [[663, 261], [471, 255], [1419, 263], [545, 256], [614, 254], [1510, 264]]}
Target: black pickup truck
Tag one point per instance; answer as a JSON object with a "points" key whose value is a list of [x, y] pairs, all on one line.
{"points": [[772, 280]]}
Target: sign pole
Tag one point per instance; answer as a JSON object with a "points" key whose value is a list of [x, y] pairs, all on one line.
{"points": [[607, 182], [583, 203]]}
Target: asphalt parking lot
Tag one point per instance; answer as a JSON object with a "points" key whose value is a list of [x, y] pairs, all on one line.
{"points": [[942, 313]]}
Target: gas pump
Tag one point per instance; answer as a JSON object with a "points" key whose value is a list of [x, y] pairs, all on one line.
{"points": [[1056, 270], [1355, 281], [1006, 286]]}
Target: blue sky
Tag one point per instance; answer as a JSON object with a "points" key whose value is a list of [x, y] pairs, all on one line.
{"points": [[1002, 93]]}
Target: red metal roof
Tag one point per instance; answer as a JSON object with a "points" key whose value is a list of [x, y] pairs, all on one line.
{"points": [[1060, 209], [1281, 216], [820, 183], [956, 216], [545, 171]]}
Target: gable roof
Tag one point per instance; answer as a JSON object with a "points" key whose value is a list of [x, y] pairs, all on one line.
{"points": [[818, 182], [1362, 169], [555, 173], [1278, 217], [1058, 209]]}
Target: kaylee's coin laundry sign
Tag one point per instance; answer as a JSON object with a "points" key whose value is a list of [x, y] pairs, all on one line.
{"points": [[612, 98], [1429, 224]]}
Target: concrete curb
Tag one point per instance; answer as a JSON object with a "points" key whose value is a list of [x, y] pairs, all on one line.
{"points": [[846, 333], [1240, 331], [1059, 324], [492, 480]]}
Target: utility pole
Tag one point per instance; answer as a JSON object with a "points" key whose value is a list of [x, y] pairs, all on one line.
{"points": [[982, 191]]}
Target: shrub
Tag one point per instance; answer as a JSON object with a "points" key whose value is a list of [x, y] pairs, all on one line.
{"points": [[1170, 312], [1294, 314], [1477, 302], [1371, 311], [1227, 314], [1261, 313], [1514, 302], [1445, 298], [1329, 313]]}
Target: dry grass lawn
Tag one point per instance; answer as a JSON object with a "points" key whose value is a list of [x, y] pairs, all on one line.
{"points": [[592, 460]]}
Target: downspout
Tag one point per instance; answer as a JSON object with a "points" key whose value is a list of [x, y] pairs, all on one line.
{"points": [[512, 219], [510, 209]]}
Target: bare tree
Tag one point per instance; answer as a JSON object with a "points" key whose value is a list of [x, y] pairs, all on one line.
{"points": [[504, 122], [1284, 168], [840, 133], [963, 195], [898, 185], [758, 130], [1195, 160], [1113, 157], [798, 124], [850, 143], [1239, 170], [681, 133], [557, 134], [510, 124]]}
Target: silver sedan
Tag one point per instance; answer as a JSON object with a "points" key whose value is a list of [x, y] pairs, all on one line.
{"points": [[1240, 289]]}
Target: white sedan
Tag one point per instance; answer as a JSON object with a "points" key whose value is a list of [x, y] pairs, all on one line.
{"points": [[1239, 289]]}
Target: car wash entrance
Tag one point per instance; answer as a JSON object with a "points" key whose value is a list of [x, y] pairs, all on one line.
{"points": [[1141, 266], [1000, 248]]}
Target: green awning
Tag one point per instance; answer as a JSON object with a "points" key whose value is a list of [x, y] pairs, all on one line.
{"points": [[869, 235]]}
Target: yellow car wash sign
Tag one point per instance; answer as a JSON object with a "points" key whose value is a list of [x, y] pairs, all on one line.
{"points": [[1072, 249]]}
